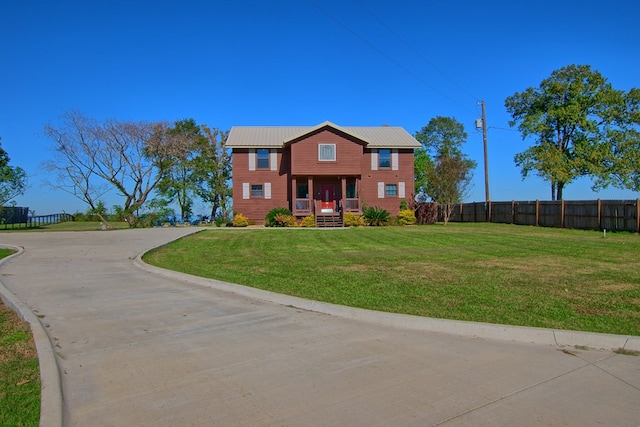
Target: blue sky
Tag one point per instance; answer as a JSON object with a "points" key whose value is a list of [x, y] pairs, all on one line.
{"points": [[300, 62]]}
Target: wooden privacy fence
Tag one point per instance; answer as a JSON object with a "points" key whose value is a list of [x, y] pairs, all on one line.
{"points": [[612, 215]]}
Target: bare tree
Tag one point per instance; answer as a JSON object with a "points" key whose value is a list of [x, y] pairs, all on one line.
{"points": [[91, 158], [449, 181]]}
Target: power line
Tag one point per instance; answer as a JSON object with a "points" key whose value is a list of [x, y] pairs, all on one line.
{"points": [[381, 52], [414, 50], [505, 129]]}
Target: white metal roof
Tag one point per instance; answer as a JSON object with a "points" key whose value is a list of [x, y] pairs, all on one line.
{"points": [[277, 136]]}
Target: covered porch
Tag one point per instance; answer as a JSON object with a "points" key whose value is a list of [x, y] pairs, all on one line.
{"points": [[325, 197]]}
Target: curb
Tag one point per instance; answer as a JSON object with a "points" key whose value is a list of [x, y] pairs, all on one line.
{"points": [[50, 383], [544, 336]]}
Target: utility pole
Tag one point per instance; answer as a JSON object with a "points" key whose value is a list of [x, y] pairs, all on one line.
{"points": [[483, 123]]}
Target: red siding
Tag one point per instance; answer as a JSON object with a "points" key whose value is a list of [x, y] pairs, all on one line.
{"points": [[304, 155], [368, 187], [301, 159], [257, 208]]}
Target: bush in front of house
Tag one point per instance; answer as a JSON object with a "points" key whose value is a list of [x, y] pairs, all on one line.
{"points": [[375, 216], [308, 221], [270, 219], [284, 220], [240, 220], [407, 217], [427, 213], [353, 220]]}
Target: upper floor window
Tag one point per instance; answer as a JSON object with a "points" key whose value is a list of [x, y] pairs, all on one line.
{"points": [[327, 152], [262, 155], [384, 158]]}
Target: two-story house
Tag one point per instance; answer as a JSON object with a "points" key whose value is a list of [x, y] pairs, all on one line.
{"points": [[324, 170]]}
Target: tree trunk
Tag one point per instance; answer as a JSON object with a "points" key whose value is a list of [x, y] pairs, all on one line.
{"points": [[559, 190], [553, 191]]}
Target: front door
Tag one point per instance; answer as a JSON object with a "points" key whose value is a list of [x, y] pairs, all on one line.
{"points": [[327, 199]]}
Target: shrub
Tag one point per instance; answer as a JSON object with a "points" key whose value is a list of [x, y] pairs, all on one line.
{"points": [[308, 221], [270, 219], [284, 220], [353, 220], [376, 216], [403, 205], [240, 220], [427, 213], [407, 217]]}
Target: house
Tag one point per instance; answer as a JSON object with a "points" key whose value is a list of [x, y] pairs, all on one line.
{"points": [[324, 170]]}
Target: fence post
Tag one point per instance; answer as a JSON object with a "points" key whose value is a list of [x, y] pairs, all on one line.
{"points": [[513, 211], [599, 214], [562, 213], [537, 211]]}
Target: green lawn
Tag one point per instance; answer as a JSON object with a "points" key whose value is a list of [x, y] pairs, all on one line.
{"points": [[518, 275], [19, 370], [68, 226]]}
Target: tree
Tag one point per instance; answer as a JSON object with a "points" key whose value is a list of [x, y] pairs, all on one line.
{"points": [[422, 163], [443, 171], [213, 170], [442, 137], [91, 158], [449, 181], [13, 179], [180, 183], [582, 126]]}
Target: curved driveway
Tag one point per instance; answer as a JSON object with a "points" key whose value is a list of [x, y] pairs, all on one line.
{"points": [[139, 348]]}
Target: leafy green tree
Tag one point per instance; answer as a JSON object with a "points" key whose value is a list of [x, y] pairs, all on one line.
{"points": [[582, 127], [442, 137], [13, 179], [422, 163], [443, 171], [213, 171], [180, 182]]}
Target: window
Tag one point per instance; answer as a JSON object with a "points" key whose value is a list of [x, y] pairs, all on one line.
{"points": [[263, 158], [391, 190], [327, 152], [351, 190], [303, 191], [256, 190], [384, 158]]}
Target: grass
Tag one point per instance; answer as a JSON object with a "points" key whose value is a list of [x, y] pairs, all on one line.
{"points": [[19, 370], [517, 275], [68, 226]]}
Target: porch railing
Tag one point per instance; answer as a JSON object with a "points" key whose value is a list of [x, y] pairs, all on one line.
{"points": [[352, 205], [302, 207], [305, 207]]}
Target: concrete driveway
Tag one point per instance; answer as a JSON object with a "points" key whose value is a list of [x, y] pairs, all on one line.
{"points": [[136, 347]]}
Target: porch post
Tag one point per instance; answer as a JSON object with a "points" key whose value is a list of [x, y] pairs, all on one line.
{"points": [[312, 203], [294, 193], [343, 201]]}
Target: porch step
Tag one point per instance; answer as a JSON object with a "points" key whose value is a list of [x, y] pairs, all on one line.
{"points": [[334, 220]]}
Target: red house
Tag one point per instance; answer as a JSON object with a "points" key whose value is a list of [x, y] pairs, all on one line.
{"points": [[324, 170]]}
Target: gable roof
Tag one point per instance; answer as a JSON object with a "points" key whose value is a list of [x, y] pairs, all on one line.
{"points": [[278, 136]]}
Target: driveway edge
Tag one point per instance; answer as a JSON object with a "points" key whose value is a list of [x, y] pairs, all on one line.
{"points": [[51, 400], [552, 337]]}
